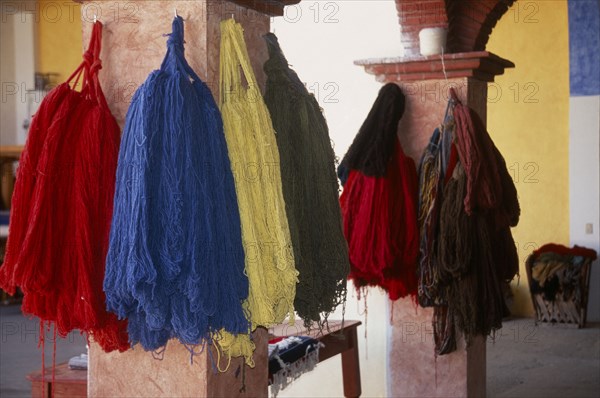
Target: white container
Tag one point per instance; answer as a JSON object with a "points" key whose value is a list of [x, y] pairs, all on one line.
{"points": [[432, 41]]}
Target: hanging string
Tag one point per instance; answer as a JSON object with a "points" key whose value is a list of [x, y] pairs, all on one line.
{"points": [[42, 343], [444, 65], [54, 361]]}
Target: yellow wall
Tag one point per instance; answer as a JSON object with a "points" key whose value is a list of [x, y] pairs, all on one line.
{"points": [[528, 117], [59, 47]]}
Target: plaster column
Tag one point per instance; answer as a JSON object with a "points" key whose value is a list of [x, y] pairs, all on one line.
{"points": [[134, 45], [413, 369]]}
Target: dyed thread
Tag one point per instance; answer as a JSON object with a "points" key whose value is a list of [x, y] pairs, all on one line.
{"points": [[467, 250], [62, 205], [379, 201], [265, 229], [175, 266], [310, 190]]}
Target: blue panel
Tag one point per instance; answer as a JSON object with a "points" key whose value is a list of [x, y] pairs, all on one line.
{"points": [[584, 47]]}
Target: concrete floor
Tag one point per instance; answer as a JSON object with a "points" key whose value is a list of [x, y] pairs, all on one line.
{"points": [[523, 361], [526, 360]]}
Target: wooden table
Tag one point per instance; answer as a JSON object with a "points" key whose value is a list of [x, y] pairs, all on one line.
{"points": [[336, 340], [67, 383]]}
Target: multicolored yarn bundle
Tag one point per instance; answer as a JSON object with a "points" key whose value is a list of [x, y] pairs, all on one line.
{"points": [[379, 201]]}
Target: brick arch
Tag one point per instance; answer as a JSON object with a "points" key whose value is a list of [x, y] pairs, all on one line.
{"points": [[469, 23]]}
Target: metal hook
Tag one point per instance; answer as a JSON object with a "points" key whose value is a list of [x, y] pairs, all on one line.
{"points": [[95, 18], [232, 17], [175, 11]]}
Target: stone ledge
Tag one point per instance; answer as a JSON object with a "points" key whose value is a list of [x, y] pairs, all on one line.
{"points": [[268, 7], [481, 65]]}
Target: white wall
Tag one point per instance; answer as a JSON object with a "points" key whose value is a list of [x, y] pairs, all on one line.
{"points": [[17, 72], [7, 78], [321, 39], [584, 185], [25, 71]]}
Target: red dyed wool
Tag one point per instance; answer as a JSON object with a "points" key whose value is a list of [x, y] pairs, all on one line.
{"points": [[62, 207], [380, 225]]}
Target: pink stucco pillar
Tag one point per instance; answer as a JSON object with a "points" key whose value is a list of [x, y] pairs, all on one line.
{"points": [[134, 45]]}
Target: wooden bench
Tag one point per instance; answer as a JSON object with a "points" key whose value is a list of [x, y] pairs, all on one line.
{"points": [[336, 340]]}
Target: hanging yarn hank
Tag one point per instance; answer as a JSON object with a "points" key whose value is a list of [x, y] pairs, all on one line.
{"points": [[310, 189], [436, 163], [62, 205], [489, 186], [429, 197], [269, 261], [475, 253], [379, 201], [175, 266]]}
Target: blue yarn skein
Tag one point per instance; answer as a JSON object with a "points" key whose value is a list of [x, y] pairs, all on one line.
{"points": [[175, 264]]}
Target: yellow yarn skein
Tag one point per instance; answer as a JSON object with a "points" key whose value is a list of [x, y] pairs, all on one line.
{"points": [[254, 156]]}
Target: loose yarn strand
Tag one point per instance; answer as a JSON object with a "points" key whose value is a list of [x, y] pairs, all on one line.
{"points": [[42, 342], [53, 359]]}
